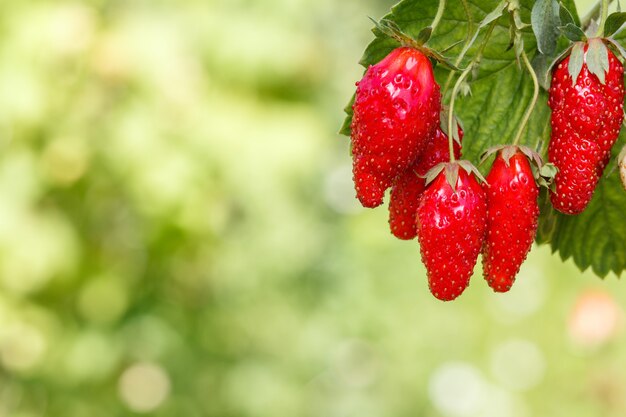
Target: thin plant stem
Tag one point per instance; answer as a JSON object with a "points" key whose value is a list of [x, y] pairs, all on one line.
{"points": [[584, 23], [603, 15], [439, 15], [457, 85], [468, 39], [533, 102]]}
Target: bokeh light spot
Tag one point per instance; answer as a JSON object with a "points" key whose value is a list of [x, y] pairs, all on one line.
{"points": [[594, 319], [457, 389], [144, 386], [518, 364], [22, 346]]}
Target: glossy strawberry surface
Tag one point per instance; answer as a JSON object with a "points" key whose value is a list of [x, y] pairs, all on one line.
{"points": [[408, 188], [512, 216], [396, 110], [451, 231], [586, 120]]}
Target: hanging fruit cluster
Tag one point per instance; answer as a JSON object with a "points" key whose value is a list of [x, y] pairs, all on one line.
{"points": [[406, 137]]}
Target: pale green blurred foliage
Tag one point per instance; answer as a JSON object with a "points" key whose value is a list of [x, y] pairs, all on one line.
{"points": [[179, 236]]}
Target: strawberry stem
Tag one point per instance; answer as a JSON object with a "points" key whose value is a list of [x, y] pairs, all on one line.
{"points": [[603, 15], [468, 41], [470, 21], [533, 102], [439, 15], [455, 90], [586, 20]]}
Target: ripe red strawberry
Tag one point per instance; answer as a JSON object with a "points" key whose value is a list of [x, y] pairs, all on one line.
{"points": [[586, 120], [451, 230], [408, 187], [396, 110], [512, 217]]}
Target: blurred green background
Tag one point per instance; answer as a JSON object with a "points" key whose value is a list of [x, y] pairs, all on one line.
{"points": [[179, 236]]}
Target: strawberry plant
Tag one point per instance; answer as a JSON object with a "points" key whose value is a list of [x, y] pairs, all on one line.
{"points": [[539, 93]]}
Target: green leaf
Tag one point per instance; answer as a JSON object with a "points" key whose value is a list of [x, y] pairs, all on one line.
{"points": [[572, 32], [345, 127], [542, 64], [546, 21], [565, 15], [548, 170], [495, 14], [570, 7], [614, 23], [434, 172], [547, 221], [425, 35], [471, 169]]}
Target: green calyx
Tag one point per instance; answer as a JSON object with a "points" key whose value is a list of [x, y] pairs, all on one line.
{"points": [[451, 171], [596, 58], [543, 173], [391, 29]]}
